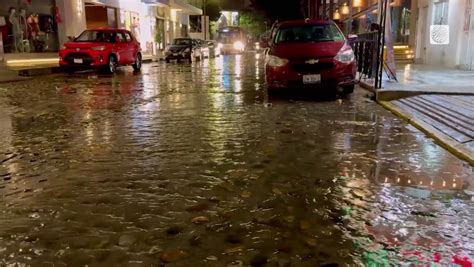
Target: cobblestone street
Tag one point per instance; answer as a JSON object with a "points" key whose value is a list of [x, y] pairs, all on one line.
{"points": [[196, 165]]}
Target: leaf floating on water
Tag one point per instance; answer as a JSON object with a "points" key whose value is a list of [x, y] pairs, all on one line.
{"points": [[200, 220], [234, 250], [246, 194], [277, 191], [173, 255]]}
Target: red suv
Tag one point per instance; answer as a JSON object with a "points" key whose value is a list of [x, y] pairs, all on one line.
{"points": [[310, 53], [101, 49]]}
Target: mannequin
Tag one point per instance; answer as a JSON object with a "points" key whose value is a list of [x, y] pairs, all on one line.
{"points": [[33, 26], [16, 30], [23, 25], [25, 43]]}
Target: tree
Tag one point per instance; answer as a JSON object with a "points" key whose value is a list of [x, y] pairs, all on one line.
{"points": [[252, 22], [212, 9], [279, 9]]}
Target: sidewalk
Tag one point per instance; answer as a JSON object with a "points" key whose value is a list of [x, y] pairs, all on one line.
{"points": [[423, 79], [7, 75], [438, 101], [448, 119], [33, 64], [27, 61]]}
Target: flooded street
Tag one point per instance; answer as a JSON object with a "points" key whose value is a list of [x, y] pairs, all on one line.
{"points": [[195, 165]]}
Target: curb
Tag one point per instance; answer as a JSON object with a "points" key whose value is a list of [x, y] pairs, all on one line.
{"points": [[19, 79], [445, 141], [367, 86], [29, 73]]}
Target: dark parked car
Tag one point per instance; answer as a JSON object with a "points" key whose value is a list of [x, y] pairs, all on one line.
{"points": [[310, 53], [101, 49], [184, 49]]}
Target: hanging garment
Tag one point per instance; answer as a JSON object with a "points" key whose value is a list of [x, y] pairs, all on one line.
{"points": [[33, 26]]}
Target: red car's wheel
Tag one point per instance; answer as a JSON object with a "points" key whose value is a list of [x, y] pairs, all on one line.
{"points": [[111, 66], [348, 89], [137, 65]]}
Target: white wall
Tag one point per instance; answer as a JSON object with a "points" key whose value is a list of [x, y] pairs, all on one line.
{"points": [[147, 21], [451, 55], [467, 45], [73, 16]]}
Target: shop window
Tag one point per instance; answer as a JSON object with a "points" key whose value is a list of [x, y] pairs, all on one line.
{"points": [[195, 23], [441, 9]]}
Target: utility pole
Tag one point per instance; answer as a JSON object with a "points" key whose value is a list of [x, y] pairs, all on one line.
{"points": [[331, 9], [318, 7], [323, 16], [204, 18]]}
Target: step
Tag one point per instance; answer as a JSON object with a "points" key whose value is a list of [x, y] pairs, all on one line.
{"points": [[404, 53]]}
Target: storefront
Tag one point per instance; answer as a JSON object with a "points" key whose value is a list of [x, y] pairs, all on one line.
{"points": [[29, 26], [161, 35], [416, 26], [364, 16], [139, 18], [131, 20]]}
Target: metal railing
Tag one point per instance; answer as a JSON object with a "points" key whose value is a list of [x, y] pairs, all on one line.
{"points": [[367, 51]]}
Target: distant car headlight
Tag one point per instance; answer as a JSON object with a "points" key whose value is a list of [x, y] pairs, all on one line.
{"points": [[239, 45], [274, 61], [99, 48], [187, 50], [345, 55], [257, 45]]}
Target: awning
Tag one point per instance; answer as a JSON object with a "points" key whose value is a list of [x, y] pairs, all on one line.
{"points": [[109, 3], [157, 2], [185, 7]]}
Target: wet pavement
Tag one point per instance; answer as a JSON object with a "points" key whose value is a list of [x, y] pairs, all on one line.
{"points": [[195, 165]]}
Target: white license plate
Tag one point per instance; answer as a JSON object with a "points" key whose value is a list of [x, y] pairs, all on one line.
{"points": [[78, 61], [312, 79], [175, 54]]}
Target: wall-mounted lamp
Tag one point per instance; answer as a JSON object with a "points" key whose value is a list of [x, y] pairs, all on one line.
{"points": [[337, 15], [358, 3], [345, 9]]}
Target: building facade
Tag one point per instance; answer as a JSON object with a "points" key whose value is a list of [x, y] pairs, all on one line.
{"points": [[458, 15], [414, 25], [29, 26], [45, 25]]}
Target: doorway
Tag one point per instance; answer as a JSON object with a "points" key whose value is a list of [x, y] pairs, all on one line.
{"points": [[423, 32], [98, 16]]}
